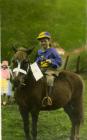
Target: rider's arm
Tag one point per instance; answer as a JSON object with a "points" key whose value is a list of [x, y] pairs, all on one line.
{"points": [[56, 59], [39, 56]]}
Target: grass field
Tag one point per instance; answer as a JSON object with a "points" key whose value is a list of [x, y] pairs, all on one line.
{"points": [[54, 125], [22, 20]]}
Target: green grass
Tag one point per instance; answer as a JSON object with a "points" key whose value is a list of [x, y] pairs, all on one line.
{"points": [[54, 125], [22, 20], [72, 63]]}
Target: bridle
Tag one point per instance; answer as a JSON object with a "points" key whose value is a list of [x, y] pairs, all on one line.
{"points": [[18, 69], [20, 63], [19, 73]]}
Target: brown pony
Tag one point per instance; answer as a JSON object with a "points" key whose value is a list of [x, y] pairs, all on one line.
{"points": [[67, 94]]}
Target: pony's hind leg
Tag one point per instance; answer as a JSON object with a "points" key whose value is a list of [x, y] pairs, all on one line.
{"points": [[75, 113], [25, 116]]}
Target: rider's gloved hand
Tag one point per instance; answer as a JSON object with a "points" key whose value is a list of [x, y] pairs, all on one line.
{"points": [[49, 61]]}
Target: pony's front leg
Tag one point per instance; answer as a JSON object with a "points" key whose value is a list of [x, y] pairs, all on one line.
{"points": [[34, 124], [25, 117], [75, 132]]}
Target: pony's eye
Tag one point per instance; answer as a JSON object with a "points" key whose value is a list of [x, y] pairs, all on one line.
{"points": [[14, 63]]}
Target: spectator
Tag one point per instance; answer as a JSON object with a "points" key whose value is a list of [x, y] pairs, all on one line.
{"points": [[5, 82]]}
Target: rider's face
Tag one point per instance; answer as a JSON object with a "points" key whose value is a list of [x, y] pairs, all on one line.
{"points": [[44, 42]]}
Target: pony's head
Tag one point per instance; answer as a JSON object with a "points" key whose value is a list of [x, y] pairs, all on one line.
{"points": [[21, 64]]}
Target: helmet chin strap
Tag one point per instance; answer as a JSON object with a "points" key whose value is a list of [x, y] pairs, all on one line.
{"points": [[18, 69]]}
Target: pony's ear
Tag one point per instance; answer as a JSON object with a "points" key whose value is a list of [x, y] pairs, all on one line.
{"points": [[29, 50], [14, 48]]}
